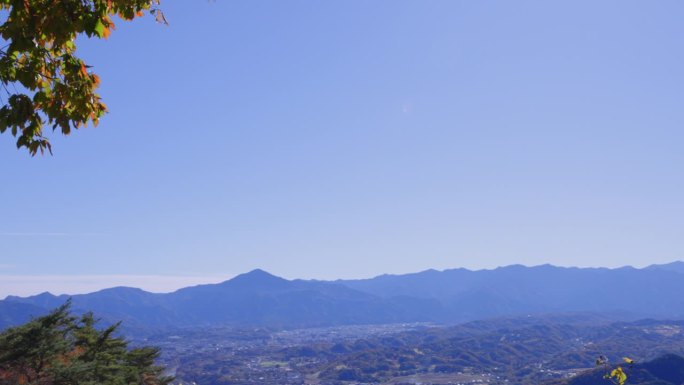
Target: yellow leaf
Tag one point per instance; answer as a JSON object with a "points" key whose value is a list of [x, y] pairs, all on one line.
{"points": [[619, 375]]}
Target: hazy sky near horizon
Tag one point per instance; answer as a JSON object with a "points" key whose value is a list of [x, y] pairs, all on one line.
{"points": [[342, 139]]}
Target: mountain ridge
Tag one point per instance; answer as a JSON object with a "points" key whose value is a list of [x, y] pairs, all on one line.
{"points": [[259, 298]]}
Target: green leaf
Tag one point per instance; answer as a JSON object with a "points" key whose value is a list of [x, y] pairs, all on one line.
{"points": [[41, 59], [99, 28]]}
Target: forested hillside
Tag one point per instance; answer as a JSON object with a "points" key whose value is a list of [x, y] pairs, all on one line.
{"points": [[525, 350]]}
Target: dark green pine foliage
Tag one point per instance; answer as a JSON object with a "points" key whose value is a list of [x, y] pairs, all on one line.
{"points": [[61, 349]]}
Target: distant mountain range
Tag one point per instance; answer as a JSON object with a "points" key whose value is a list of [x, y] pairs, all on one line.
{"points": [[258, 298]]}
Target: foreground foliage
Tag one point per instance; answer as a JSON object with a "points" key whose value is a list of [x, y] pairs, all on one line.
{"points": [[61, 349], [43, 80]]}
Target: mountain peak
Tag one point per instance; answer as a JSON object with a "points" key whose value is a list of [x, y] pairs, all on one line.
{"points": [[257, 278], [259, 272]]}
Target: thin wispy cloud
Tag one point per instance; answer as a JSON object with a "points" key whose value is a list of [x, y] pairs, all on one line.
{"points": [[26, 285], [47, 234]]}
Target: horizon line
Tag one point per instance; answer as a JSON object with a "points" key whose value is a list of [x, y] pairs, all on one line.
{"points": [[79, 284]]}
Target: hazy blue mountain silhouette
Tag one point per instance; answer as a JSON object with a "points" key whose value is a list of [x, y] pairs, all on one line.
{"points": [[258, 298], [677, 267], [264, 299], [516, 289], [14, 313]]}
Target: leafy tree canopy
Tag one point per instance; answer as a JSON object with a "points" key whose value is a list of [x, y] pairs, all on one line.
{"points": [[61, 349], [44, 82]]}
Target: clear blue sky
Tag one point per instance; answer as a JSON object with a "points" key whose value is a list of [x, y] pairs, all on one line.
{"points": [[337, 139]]}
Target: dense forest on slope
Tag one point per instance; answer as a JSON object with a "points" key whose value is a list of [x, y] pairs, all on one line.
{"points": [[521, 350]]}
